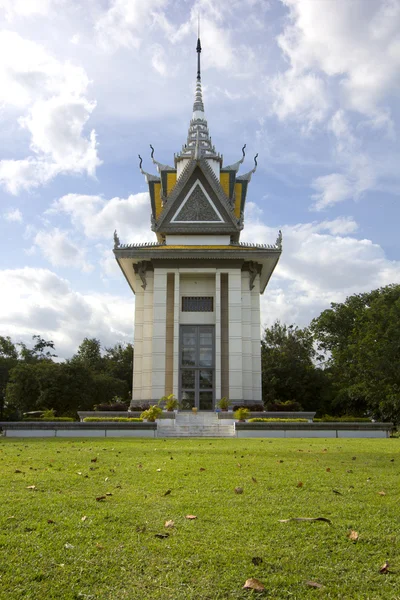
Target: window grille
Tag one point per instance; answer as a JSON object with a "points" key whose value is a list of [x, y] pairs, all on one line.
{"points": [[197, 304]]}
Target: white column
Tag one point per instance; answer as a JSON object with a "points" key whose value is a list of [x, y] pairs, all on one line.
{"points": [[147, 344], [159, 332], [176, 333], [247, 350], [138, 342], [217, 335], [255, 340], [235, 334]]}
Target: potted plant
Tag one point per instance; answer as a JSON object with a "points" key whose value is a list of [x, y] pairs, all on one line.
{"points": [[152, 413], [241, 414], [223, 404], [170, 402]]}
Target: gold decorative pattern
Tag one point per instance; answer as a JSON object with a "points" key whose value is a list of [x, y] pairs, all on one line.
{"points": [[157, 199], [171, 181], [238, 199], [224, 180]]}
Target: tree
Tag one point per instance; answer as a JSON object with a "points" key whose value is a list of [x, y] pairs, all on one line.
{"points": [[39, 352], [118, 362], [89, 355], [361, 340], [7, 348], [288, 369]]}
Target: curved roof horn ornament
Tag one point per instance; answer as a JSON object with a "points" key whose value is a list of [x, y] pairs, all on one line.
{"points": [[149, 176], [247, 176], [160, 166], [236, 165]]}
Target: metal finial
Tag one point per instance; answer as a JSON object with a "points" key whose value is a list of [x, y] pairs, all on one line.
{"points": [[243, 151], [152, 151], [141, 161], [255, 161]]}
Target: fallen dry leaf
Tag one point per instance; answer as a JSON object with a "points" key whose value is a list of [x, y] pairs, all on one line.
{"points": [[100, 498], [306, 519], [314, 584], [93, 459], [84, 518], [382, 493], [68, 546], [169, 523], [161, 536], [158, 470], [202, 469], [50, 521], [99, 546], [31, 487], [337, 492], [108, 494], [254, 584], [239, 465], [17, 471], [256, 560], [300, 484], [353, 535], [254, 480], [328, 470], [238, 490], [384, 568], [12, 517], [191, 517], [167, 493]]}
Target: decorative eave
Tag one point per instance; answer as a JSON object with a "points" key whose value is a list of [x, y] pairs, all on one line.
{"points": [[162, 225]]}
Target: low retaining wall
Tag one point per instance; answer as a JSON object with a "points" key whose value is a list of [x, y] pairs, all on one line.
{"points": [[313, 430], [75, 429]]}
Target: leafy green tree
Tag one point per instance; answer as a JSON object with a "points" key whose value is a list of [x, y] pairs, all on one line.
{"points": [[361, 340], [7, 348], [105, 387], [118, 362], [89, 355], [41, 350], [22, 391], [288, 368]]}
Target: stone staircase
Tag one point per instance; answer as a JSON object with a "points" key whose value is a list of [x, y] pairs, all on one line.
{"points": [[202, 424]]}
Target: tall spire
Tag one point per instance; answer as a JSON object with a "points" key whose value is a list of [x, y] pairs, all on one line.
{"points": [[199, 144]]}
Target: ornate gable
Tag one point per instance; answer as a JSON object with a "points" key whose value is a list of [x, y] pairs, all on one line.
{"points": [[198, 204]]}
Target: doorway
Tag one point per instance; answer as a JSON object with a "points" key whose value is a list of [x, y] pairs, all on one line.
{"points": [[196, 367]]}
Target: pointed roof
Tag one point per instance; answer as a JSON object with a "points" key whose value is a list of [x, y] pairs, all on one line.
{"points": [[199, 143]]}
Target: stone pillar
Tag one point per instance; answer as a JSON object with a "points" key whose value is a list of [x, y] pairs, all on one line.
{"points": [[217, 308], [247, 349], [138, 344], [176, 333], [255, 340], [235, 335], [159, 333], [147, 344]]}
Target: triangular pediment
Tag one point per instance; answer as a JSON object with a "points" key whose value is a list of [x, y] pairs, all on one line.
{"points": [[197, 207], [197, 204]]}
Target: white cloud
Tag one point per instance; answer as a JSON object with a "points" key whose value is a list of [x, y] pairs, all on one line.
{"points": [[98, 218], [320, 264], [158, 60], [59, 250], [13, 215], [40, 302], [54, 95], [356, 42], [26, 8], [125, 22]]}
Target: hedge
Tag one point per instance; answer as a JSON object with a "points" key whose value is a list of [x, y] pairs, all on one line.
{"points": [[345, 419], [49, 419], [113, 419], [262, 420]]}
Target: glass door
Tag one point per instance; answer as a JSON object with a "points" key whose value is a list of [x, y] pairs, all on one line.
{"points": [[197, 367]]}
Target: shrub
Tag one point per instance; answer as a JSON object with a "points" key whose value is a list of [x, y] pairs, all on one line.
{"points": [[288, 406], [241, 414], [140, 407], [113, 419], [251, 407], [344, 419], [223, 404], [116, 406], [152, 413], [262, 420], [170, 402]]}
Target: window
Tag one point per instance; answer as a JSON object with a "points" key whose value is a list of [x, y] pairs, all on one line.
{"points": [[197, 304]]}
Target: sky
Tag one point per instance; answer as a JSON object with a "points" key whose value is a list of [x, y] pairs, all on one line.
{"points": [[313, 86]]}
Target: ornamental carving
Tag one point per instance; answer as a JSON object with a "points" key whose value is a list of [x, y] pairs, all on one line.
{"points": [[197, 208]]}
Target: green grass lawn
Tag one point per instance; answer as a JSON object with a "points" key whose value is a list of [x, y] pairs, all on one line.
{"points": [[57, 541]]}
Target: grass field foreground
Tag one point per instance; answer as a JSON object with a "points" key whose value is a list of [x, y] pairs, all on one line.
{"points": [[85, 519]]}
